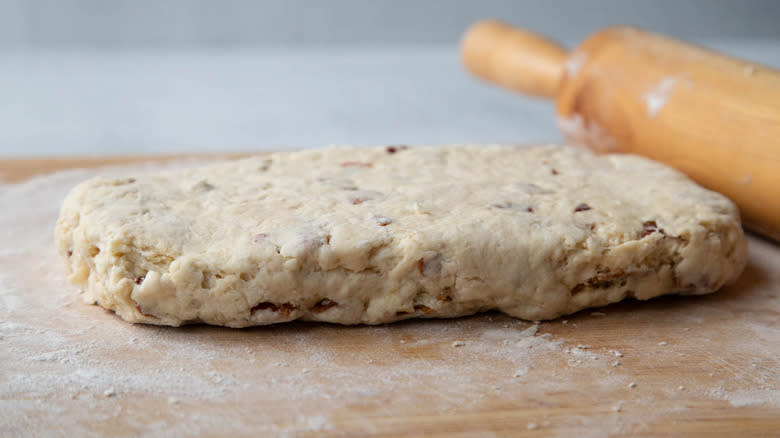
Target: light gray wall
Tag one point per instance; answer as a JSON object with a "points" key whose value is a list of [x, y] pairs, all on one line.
{"points": [[260, 23]]}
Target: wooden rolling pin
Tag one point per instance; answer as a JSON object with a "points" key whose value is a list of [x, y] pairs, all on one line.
{"points": [[714, 117]]}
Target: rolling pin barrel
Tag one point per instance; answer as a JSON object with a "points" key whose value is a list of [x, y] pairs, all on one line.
{"points": [[714, 117]]}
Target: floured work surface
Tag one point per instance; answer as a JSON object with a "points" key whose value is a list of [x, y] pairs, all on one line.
{"points": [[670, 365]]}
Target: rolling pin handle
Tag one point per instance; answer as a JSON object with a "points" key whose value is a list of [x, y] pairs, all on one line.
{"points": [[517, 59]]}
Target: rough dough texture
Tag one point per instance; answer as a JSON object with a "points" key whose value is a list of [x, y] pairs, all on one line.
{"points": [[374, 235]]}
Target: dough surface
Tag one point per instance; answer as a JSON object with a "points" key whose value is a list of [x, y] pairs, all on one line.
{"points": [[373, 235]]}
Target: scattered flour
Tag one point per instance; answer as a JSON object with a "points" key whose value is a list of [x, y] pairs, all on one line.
{"points": [[586, 132], [574, 63], [755, 397], [658, 96], [315, 423]]}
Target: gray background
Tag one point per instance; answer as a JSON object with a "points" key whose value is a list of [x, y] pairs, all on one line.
{"points": [[96, 77], [263, 23]]}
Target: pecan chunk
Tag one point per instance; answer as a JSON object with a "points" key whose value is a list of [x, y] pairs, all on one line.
{"points": [[356, 164], [423, 308], [650, 227], [284, 308], [323, 305]]}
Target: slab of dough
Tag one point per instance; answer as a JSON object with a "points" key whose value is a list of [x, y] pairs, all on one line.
{"points": [[374, 235]]}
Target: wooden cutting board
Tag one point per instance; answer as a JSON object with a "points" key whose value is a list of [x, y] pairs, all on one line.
{"points": [[691, 366]]}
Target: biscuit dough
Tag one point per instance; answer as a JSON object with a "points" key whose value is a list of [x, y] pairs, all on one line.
{"points": [[373, 235]]}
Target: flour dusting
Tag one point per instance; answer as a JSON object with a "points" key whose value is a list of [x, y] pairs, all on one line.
{"points": [[658, 96], [574, 63], [586, 132]]}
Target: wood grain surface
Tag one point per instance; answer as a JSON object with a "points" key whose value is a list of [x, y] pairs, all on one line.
{"points": [[673, 366]]}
